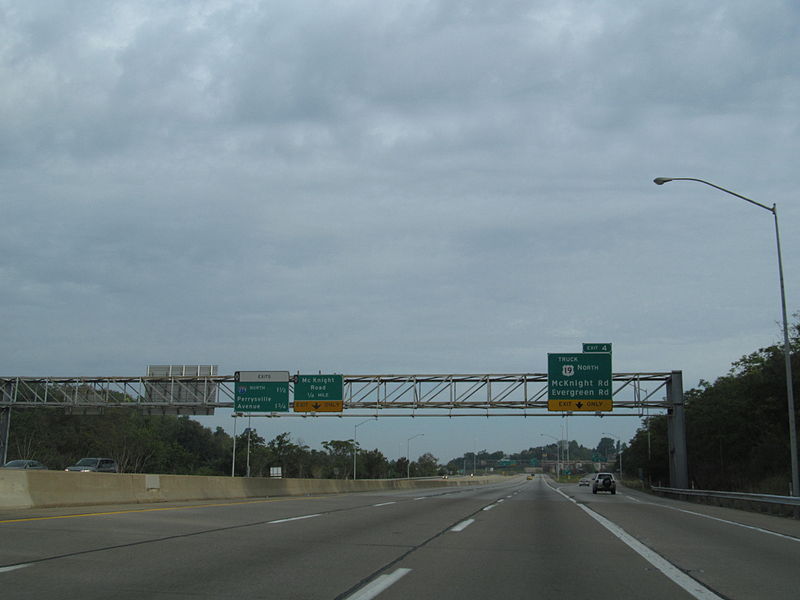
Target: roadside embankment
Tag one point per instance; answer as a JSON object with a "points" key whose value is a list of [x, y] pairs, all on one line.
{"points": [[40, 489]]}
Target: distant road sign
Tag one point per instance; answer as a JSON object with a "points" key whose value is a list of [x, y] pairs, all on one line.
{"points": [[597, 348], [319, 393], [580, 405], [261, 391], [319, 387], [318, 406], [579, 382], [262, 376]]}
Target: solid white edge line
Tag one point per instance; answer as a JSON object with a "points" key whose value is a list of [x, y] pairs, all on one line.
{"points": [[13, 568], [378, 585], [726, 521], [691, 585], [753, 527], [463, 525], [384, 504], [293, 519]]}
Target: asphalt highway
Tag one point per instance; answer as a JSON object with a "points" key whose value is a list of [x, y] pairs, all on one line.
{"points": [[516, 539]]}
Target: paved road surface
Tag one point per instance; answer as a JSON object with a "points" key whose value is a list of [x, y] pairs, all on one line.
{"points": [[516, 539]]}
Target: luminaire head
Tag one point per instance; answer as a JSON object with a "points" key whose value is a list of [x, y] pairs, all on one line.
{"points": [[661, 180]]}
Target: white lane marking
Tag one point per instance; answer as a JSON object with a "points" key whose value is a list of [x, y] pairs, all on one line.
{"points": [[726, 521], [463, 525], [378, 585], [501, 500], [490, 507], [753, 527], [692, 586], [13, 568], [384, 504], [294, 519], [421, 498]]}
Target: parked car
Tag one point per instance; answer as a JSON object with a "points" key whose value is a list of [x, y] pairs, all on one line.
{"points": [[24, 464], [94, 465], [604, 482], [584, 481]]}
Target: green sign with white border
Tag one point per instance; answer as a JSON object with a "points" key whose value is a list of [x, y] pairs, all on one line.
{"points": [[261, 391], [592, 348], [579, 381], [319, 387]]}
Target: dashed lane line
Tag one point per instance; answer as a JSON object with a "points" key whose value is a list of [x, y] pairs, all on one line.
{"points": [[13, 568], [463, 525], [378, 585], [294, 519]]}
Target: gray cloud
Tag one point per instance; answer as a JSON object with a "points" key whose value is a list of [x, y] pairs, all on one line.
{"points": [[435, 186]]}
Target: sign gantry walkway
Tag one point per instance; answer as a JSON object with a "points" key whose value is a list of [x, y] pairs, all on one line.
{"points": [[445, 395]]}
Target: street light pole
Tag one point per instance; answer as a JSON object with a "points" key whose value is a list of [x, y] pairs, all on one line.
{"points": [[408, 450], [619, 453], [233, 460], [249, 430], [787, 352], [558, 454], [355, 443]]}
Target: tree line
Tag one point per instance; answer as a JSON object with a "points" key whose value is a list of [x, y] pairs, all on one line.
{"points": [[737, 429], [481, 461], [179, 445]]}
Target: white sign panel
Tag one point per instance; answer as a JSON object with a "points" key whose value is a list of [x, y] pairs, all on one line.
{"points": [[262, 376]]}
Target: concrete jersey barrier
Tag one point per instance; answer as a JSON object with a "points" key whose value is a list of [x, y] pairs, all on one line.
{"points": [[40, 489]]}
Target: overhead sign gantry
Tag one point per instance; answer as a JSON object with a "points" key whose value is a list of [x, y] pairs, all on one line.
{"points": [[444, 395]]}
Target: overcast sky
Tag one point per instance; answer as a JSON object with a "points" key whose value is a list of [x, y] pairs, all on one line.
{"points": [[395, 187]]}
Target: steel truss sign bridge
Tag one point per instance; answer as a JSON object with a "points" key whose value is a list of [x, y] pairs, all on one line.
{"points": [[454, 395], [447, 395]]}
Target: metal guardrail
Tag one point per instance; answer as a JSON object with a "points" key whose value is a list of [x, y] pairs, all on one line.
{"points": [[789, 505]]}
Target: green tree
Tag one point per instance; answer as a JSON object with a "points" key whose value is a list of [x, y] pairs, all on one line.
{"points": [[294, 459], [399, 468], [426, 465], [340, 458], [647, 453], [606, 448], [372, 464]]}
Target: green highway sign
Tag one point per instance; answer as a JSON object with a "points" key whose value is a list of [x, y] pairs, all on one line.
{"points": [[319, 393], [319, 387], [597, 348], [261, 391], [579, 381]]}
